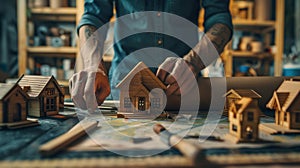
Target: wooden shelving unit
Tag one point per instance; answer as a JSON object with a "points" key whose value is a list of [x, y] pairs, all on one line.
{"points": [[264, 28], [27, 54]]}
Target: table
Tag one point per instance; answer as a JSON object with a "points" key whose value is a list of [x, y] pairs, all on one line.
{"points": [[19, 148]]}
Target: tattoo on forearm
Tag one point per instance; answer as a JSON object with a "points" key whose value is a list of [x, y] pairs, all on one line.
{"points": [[89, 30], [219, 35]]}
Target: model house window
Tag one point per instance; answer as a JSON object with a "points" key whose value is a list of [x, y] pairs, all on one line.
{"points": [[250, 116], [50, 91], [155, 102], [234, 128], [51, 104], [298, 117], [127, 102], [234, 115]]}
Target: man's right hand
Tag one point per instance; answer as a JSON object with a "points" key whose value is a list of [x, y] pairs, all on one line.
{"points": [[89, 89]]}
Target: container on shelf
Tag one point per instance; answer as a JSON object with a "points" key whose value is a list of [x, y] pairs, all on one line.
{"points": [[263, 9], [58, 3], [40, 3], [245, 43], [257, 46], [291, 69]]}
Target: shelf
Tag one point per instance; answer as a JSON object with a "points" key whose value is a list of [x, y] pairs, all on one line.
{"points": [[54, 50], [254, 25], [54, 11], [248, 54]]}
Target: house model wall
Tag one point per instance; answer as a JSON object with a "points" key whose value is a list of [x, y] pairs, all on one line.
{"points": [[244, 115], [286, 103], [13, 103], [141, 92], [45, 95]]}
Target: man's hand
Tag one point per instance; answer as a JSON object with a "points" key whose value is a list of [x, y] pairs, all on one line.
{"points": [[89, 89], [178, 75]]}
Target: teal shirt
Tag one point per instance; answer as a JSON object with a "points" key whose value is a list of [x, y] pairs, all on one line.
{"points": [[99, 12]]}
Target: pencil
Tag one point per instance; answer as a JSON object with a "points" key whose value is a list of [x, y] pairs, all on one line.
{"points": [[188, 149]]}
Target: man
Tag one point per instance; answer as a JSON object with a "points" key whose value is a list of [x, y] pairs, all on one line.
{"points": [[94, 79]]}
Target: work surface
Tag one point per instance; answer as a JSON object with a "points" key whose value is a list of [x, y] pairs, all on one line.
{"points": [[19, 148]]}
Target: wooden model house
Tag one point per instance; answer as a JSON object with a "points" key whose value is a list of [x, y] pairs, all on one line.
{"points": [[244, 115], [45, 95], [286, 103], [13, 106], [141, 92]]}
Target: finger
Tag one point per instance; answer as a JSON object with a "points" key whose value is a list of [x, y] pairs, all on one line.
{"points": [[71, 82], [161, 74], [170, 79], [178, 71], [89, 93], [165, 67], [189, 84], [171, 89], [103, 93], [102, 88], [78, 90]]}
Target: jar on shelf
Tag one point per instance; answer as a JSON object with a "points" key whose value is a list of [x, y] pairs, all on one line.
{"points": [[245, 43]]}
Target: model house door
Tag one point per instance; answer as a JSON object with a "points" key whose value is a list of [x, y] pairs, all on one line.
{"points": [[141, 103], [17, 112]]}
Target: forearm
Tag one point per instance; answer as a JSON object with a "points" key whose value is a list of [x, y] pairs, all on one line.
{"points": [[92, 45], [85, 32], [219, 35], [209, 47]]}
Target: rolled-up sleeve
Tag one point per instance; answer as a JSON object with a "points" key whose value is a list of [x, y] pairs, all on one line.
{"points": [[96, 13], [216, 11]]}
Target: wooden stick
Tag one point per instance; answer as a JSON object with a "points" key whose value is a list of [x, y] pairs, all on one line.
{"points": [[66, 139], [190, 150]]}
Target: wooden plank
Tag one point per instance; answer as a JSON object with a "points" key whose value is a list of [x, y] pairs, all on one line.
{"points": [[56, 18], [66, 139], [55, 11], [272, 129], [21, 124], [22, 36], [80, 10], [251, 54], [52, 50], [279, 37]]}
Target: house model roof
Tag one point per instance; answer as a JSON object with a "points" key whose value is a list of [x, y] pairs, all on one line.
{"points": [[148, 79], [285, 95], [5, 89], [36, 83], [243, 104], [240, 93]]}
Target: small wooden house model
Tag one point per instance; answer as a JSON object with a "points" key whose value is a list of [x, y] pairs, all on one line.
{"points": [[13, 106], [286, 103], [141, 92], [12, 103], [244, 115], [45, 95]]}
